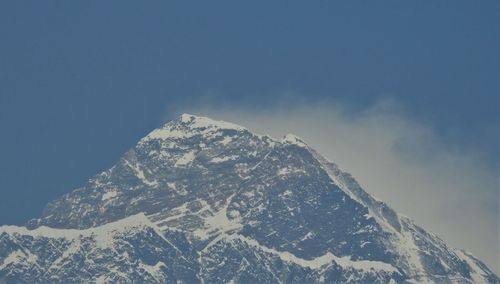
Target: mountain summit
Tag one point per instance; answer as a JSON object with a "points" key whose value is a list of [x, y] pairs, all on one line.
{"points": [[206, 201]]}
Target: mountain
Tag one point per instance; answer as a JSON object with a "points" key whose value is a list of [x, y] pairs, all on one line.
{"points": [[205, 201]]}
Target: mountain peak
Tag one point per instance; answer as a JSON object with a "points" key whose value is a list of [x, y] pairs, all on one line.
{"points": [[188, 125], [195, 121], [209, 192]]}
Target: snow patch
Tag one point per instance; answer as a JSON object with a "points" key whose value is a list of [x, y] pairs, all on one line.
{"points": [[139, 173], [109, 195], [154, 270], [411, 251], [226, 140], [475, 269], [318, 262], [187, 126], [219, 223], [289, 171], [14, 257], [217, 160], [167, 133], [186, 159], [205, 122], [101, 233]]}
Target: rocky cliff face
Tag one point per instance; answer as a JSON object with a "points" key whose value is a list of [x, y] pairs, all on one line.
{"points": [[207, 201]]}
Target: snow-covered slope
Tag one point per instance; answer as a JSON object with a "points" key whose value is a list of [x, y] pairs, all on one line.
{"points": [[238, 207], [129, 250]]}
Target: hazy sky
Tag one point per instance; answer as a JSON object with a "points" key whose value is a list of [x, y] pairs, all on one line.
{"points": [[81, 82]]}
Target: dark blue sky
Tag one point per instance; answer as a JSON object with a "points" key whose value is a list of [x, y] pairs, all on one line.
{"points": [[81, 82]]}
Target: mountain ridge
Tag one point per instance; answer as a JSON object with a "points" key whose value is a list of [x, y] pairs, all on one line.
{"points": [[232, 193]]}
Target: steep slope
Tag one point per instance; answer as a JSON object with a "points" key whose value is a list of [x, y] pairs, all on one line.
{"points": [[269, 210]]}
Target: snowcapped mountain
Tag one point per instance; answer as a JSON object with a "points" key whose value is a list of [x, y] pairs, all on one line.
{"points": [[205, 201]]}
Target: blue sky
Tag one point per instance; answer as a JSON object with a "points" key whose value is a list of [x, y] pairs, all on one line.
{"points": [[80, 83]]}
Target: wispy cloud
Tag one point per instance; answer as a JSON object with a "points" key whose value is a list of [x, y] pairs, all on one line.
{"points": [[449, 191]]}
